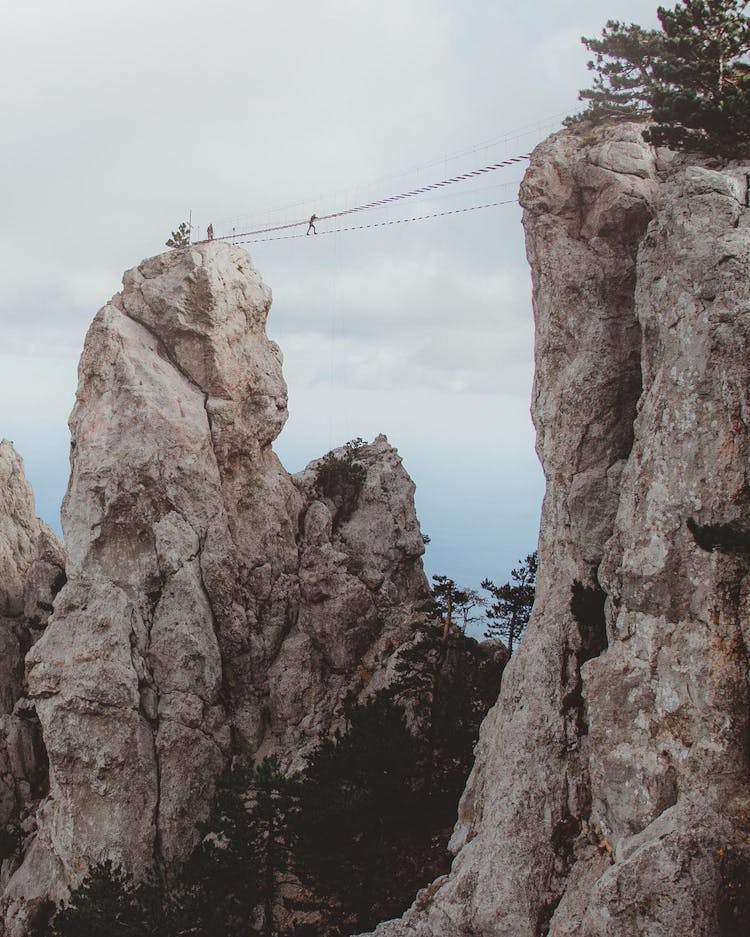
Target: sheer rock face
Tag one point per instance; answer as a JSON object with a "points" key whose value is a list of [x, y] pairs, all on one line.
{"points": [[215, 605], [610, 793], [32, 566]]}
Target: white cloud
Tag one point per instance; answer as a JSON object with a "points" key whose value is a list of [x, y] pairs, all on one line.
{"points": [[119, 118]]}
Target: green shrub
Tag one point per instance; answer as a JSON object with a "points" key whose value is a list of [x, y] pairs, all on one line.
{"points": [[341, 478]]}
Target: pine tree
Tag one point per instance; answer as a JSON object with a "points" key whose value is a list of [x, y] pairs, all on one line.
{"points": [[104, 905], [180, 237], [623, 64], [702, 96], [247, 847], [421, 666], [451, 604], [171, 903], [223, 867], [510, 611], [447, 685], [274, 804], [691, 77], [361, 815]]}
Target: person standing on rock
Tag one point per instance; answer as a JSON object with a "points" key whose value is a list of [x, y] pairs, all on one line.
{"points": [[311, 224], [210, 232]]}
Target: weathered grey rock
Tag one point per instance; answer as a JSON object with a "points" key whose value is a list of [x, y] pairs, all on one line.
{"points": [[20, 534], [610, 782], [31, 573], [669, 699], [215, 606]]}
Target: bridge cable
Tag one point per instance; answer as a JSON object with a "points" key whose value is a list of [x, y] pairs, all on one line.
{"points": [[378, 204], [377, 224]]}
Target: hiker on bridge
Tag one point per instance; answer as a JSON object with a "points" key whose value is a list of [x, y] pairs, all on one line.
{"points": [[311, 224]]}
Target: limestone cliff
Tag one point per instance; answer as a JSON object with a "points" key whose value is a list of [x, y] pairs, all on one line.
{"points": [[215, 606], [611, 790], [31, 574]]}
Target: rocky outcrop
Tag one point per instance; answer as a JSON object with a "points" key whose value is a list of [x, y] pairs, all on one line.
{"points": [[32, 566], [610, 794], [216, 607]]}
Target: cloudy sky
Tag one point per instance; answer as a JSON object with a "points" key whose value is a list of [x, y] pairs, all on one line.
{"points": [[121, 117]]}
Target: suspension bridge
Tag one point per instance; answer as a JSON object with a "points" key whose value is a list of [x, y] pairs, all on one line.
{"points": [[256, 235]]}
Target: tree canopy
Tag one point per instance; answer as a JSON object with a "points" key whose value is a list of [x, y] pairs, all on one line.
{"points": [[510, 610], [691, 77]]}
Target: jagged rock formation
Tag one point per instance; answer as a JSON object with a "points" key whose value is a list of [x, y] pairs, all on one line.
{"points": [[215, 605], [611, 791], [32, 566]]}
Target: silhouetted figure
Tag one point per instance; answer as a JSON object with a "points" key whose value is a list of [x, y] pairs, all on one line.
{"points": [[210, 232], [311, 224]]}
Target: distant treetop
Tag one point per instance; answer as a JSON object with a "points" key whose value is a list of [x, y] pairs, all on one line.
{"points": [[691, 77]]}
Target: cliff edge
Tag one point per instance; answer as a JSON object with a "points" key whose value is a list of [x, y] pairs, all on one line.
{"points": [[611, 794]]}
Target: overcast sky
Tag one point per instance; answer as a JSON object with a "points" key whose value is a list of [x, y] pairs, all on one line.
{"points": [[122, 117]]}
